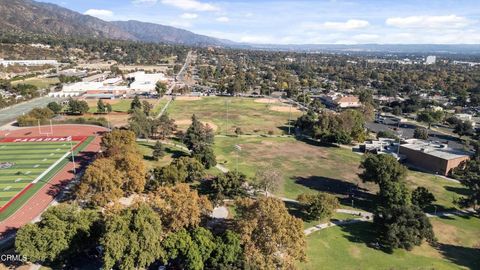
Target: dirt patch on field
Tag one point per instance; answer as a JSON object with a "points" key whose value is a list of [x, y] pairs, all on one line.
{"points": [[284, 109], [266, 100], [445, 233], [188, 98], [355, 252], [187, 122]]}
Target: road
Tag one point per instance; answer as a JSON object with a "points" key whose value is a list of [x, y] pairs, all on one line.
{"points": [[178, 78], [11, 113], [406, 131]]}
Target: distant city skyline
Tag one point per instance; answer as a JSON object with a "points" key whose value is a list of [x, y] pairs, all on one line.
{"points": [[303, 22]]}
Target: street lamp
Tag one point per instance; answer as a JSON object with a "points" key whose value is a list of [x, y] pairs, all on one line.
{"points": [[238, 148]]}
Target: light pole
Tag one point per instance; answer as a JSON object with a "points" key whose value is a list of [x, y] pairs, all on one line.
{"points": [[73, 159], [238, 148], [289, 118]]}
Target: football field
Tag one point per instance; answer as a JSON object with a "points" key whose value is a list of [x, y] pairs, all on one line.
{"points": [[26, 162]]}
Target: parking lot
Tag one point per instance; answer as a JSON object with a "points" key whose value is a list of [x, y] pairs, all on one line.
{"points": [[405, 130]]}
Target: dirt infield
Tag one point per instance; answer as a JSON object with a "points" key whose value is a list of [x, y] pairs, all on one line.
{"points": [[284, 109], [267, 100], [187, 98], [187, 122], [44, 197]]}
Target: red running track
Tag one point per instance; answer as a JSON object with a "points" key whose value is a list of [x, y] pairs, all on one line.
{"points": [[42, 199]]}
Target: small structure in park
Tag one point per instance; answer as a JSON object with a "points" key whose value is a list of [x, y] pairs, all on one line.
{"points": [[433, 157]]}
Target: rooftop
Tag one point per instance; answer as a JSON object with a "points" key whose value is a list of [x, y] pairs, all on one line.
{"points": [[435, 149]]}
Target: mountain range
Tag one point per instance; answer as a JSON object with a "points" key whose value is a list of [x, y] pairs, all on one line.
{"points": [[44, 18]]}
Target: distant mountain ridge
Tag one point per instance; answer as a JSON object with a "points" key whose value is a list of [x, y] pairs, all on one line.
{"points": [[45, 18]]}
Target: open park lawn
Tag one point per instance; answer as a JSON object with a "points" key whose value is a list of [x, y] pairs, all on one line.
{"points": [[253, 116], [40, 83], [123, 105], [171, 152], [345, 247], [311, 168]]}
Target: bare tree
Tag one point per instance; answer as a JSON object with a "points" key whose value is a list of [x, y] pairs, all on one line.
{"points": [[268, 179]]}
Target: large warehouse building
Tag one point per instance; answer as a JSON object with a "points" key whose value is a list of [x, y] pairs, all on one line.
{"points": [[433, 157]]}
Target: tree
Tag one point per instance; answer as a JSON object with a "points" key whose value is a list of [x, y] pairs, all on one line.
{"points": [[430, 117], [147, 107], [204, 153], [403, 227], [230, 184], [133, 170], [269, 179], [180, 170], [318, 206], [180, 207], [109, 108], [420, 133], [55, 107], [272, 238], [77, 106], [101, 183], [469, 176], [140, 124], [163, 126], [228, 250], [161, 88], [158, 151], [238, 131], [63, 232], [422, 197], [197, 134], [381, 169], [133, 238], [118, 141], [463, 128], [136, 104], [101, 108]]}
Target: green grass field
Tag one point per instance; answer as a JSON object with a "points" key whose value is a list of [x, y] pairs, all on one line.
{"points": [[26, 157], [30, 161], [40, 83], [251, 116], [146, 149], [123, 105]]}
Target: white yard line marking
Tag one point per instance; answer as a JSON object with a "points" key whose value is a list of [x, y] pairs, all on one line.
{"points": [[36, 166], [50, 168], [44, 159], [18, 179], [7, 188], [58, 149], [51, 154], [29, 172]]}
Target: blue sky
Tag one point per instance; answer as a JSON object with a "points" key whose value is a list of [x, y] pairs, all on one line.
{"points": [[303, 21]]}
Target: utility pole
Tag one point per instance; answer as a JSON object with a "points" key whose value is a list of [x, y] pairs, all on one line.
{"points": [[289, 118], [73, 160], [238, 148]]}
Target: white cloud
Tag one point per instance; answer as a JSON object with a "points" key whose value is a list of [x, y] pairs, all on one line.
{"points": [[99, 13], [223, 19], [144, 2], [338, 26], [189, 16], [191, 5], [448, 21]]}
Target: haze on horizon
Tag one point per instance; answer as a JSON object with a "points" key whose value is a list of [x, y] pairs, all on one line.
{"points": [[305, 21]]}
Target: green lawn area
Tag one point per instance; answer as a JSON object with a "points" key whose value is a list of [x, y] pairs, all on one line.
{"points": [[40, 83], [311, 168], [123, 105], [146, 149], [251, 116], [346, 247]]}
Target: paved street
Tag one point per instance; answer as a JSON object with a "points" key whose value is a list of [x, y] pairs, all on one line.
{"points": [[8, 115]]}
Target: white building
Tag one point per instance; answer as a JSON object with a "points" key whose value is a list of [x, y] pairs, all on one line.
{"points": [[431, 59], [145, 83], [7, 63]]}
